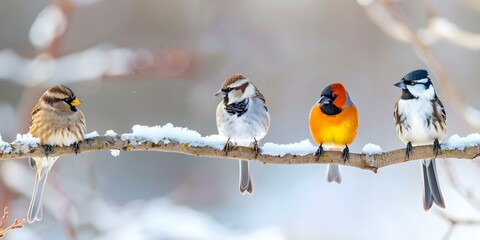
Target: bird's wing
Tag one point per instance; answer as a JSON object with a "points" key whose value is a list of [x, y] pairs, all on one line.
{"points": [[396, 114], [260, 95], [438, 105]]}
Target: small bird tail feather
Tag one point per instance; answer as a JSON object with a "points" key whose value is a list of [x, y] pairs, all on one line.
{"points": [[333, 173], [35, 211], [43, 166], [246, 185], [431, 188]]}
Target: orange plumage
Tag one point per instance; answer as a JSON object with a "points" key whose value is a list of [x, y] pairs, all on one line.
{"points": [[334, 122], [338, 129]]}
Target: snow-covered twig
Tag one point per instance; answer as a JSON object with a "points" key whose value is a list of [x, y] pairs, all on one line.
{"points": [[169, 138]]}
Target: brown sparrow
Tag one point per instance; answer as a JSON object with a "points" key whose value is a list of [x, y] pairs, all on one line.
{"points": [[242, 116], [56, 121]]}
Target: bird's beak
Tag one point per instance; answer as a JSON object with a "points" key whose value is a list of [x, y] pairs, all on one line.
{"points": [[76, 102], [220, 94], [400, 85], [324, 100]]}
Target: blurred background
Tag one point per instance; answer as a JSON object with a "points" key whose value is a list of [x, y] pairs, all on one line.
{"points": [[155, 62]]}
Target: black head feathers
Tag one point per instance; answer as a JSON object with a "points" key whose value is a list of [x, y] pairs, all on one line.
{"points": [[416, 75]]}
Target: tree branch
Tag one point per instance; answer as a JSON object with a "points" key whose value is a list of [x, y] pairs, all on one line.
{"points": [[455, 222], [391, 20], [4, 229], [359, 160]]}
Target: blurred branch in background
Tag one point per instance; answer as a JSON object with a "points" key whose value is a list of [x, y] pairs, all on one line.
{"points": [[297, 153], [15, 225], [454, 223], [442, 28], [388, 18], [473, 4], [466, 193], [384, 14], [101, 62], [50, 65]]}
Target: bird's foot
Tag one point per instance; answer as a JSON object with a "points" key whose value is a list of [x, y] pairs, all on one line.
{"points": [[228, 146], [319, 152], [436, 147], [408, 150], [256, 149], [76, 147], [48, 149], [345, 153]]}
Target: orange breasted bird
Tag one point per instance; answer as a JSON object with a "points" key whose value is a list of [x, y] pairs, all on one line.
{"points": [[334, 124]]}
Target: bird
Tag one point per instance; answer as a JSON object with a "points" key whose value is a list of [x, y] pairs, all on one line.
{"points": [[242, 116], [333, 123], [56, 121], [420, 119]]}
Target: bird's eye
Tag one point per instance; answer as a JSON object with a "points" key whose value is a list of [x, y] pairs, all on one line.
{"points": [[68, 100], [330, 96], [228, 89]]}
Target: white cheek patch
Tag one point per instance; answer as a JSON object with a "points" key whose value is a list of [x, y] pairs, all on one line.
{"points": [[236, 95], [249, 91], [232, 97], [418, 90]]}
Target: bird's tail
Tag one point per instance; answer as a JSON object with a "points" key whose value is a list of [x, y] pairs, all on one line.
{"points": [[431, 188], [35, 211], [246, 185], [333, 173]]}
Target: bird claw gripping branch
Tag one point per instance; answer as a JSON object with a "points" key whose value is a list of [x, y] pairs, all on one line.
{"points": [[319, 152], [345, 153], [76, 147]]}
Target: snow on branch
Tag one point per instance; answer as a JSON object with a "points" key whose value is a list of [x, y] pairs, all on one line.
{"points": [[168, 138]]}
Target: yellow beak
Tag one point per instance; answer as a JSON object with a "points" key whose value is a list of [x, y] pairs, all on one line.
{"points": [[76, 102]]}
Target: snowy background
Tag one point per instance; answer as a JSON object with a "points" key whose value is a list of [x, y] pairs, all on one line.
{"points": [[156, 62]]}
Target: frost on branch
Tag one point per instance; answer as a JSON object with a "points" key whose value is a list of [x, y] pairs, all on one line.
{"points": [[301, 148], [169, 138], [91, 135], [110, 133], [24, 142], [457, 142], [371, 149], [169, 132], [4, 146]]}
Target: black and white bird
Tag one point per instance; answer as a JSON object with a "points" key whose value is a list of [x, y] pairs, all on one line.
{"points": [[420, 119], [242, 117]]}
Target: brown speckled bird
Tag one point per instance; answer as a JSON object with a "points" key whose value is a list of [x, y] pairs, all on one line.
{"points": [[56, 121], [242, 116]]}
